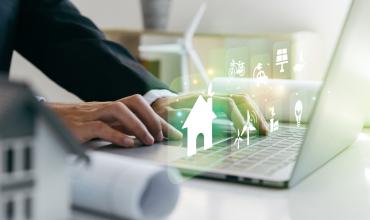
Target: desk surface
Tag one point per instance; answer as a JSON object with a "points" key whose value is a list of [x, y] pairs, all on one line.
{"points": [[339, 190]]}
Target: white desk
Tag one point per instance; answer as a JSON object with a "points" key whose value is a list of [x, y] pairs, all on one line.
{"points": [[339, 190]]}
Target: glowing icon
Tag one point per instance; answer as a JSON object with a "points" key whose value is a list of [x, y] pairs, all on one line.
{"points": [[259, 74], [199, 121], [300, 65], [236, 68], [248, 127], [211, 71], [298, 110], [274, 125], [282, 58], [239, 137]]}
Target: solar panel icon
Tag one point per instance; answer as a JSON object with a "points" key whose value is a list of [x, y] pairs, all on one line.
{"points": [[282, 58]]}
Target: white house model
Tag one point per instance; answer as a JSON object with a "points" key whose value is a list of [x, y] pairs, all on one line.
{"points": [[34, 182], [199, 121]]}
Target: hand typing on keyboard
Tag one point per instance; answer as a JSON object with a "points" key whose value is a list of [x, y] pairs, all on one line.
{"points": [[234, 107]]}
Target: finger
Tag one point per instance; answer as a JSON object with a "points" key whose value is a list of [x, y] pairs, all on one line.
{"points": [[128, 120], [178, 114], [146, 114], [221, 104], [184, 101], [164, 110], [97, 129], [246, 103], [169, 131], [228, 106], [118, 126], [175, 117]]}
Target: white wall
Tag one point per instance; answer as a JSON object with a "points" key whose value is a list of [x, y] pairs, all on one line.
{"points": [[112, 13], [324, 17], [223, 16], [232, 16]]}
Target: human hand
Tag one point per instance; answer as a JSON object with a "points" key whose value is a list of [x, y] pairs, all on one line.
{"points": [[234, 106], [118, 121]]}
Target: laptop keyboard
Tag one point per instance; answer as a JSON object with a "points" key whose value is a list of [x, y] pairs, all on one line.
{"points": [[264, 155]]}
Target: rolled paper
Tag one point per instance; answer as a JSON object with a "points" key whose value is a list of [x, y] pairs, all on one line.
{"points": [[124, 187]]}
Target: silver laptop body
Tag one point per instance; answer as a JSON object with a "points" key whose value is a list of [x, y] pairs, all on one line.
{"points": [[290, 154]]}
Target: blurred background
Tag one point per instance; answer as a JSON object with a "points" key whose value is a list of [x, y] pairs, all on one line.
{"points": [[310, 26]]}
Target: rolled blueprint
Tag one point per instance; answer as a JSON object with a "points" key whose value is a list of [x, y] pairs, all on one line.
{"points": [[124, 187]]}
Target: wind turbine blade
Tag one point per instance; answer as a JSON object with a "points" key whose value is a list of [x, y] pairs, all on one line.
{"points": [[189, 33], [244, 129], [162, 48], [198, 63], [209, 91], [185, 76]]}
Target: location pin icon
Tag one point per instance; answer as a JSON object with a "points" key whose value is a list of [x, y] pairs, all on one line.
{"points": [[298, 112]]}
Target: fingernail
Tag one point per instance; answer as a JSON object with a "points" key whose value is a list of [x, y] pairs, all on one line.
{"points": [[128, 142], [160, 136], [175, 135], [149, 140]]}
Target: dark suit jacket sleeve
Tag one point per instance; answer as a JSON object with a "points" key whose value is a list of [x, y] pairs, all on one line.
{"points": [[71, 50]]}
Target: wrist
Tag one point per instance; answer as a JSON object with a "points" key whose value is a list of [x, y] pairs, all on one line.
{"points": [[155, 94]]}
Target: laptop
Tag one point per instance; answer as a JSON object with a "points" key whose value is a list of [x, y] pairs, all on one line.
{"points": [[291, 153]]}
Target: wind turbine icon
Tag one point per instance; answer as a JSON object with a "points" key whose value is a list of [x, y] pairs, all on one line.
{"points": [[184, 48], [248, 127]]}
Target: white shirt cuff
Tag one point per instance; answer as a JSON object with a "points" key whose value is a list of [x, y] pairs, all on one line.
{"points": [[155, 94]]}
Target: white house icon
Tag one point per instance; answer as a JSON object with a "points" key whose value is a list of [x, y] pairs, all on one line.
{"points": [[198, 122]]}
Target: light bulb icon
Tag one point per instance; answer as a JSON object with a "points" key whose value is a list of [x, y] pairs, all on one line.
{"points": [[298, 112]]}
